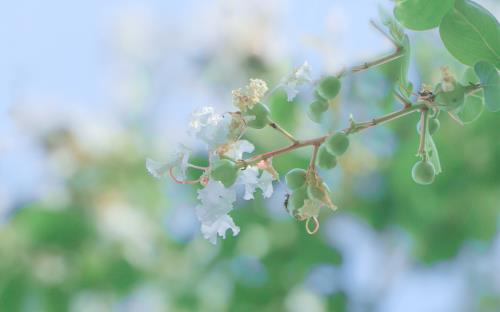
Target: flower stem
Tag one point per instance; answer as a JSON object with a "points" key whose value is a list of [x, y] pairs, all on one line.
{"points": [[285, 133], [353, 128]]}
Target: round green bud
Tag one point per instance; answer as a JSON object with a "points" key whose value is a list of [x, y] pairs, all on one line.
{"points": [[434, 125], [260, 112], [225, 171], [337, 144], [315, 192], [325, 159], [328, 87], [423, 172], [295, 178], [297, 198], [450, 100]]}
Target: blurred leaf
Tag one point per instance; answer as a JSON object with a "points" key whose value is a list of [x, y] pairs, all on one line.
{"points": [[67, 229], [470, 33], [421, 14], [490, 83]]}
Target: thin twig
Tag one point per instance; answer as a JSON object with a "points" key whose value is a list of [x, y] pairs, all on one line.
{"points": [[285, 133], [171, 173], [356, 127], [312, 162], [423, 133]]}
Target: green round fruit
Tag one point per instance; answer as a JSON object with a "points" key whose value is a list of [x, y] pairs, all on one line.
{"points": [[337, 144], [261, 114], [318, 96], [314, 115], [329, 87], [434, 125], [224, 171], [297, 198], [295, 178], [423, 172], [319, 106], [315, 192], [325, 159], [450, 100]]}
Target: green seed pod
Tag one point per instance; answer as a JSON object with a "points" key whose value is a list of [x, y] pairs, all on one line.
{"points": [[450, 100], [434, 125], [315, 192], [337, 144], [329, 87], [224, 171], [261, 114], [423, 172], [297, 198], [295, 178], [325, 159]]}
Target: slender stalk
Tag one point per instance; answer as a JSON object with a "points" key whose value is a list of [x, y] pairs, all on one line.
{"points": [[312, 163], [424, 127], [356, 127], [472, 88], [353, 128], [285, 133], [402, 100], [367, 65]]}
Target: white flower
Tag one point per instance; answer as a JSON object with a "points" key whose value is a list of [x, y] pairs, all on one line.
{"points": [[250, 179], [238, 148], [219, 228], [300, 76], [245, 98], [178, 159], [266, 184], [210, 127], [216, 202]]}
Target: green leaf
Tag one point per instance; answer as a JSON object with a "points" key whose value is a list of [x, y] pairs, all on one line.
{"points": [[471, 33], [474, 104], [405, 61], [473, 108], [432, 152], [490, 83], [421, 14]]}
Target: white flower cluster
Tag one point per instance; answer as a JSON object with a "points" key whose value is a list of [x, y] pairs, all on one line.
{"points": [[221, 133], [216, 201]]}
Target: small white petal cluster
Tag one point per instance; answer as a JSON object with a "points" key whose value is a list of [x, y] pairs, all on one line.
{"points": [[178, 159], [216, 201], [299, 76], [251, 180], [210, 127], [246, 98]]}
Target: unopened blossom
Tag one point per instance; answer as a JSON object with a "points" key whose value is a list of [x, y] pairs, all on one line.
{"points": [[448, 81], [245, 98]]}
